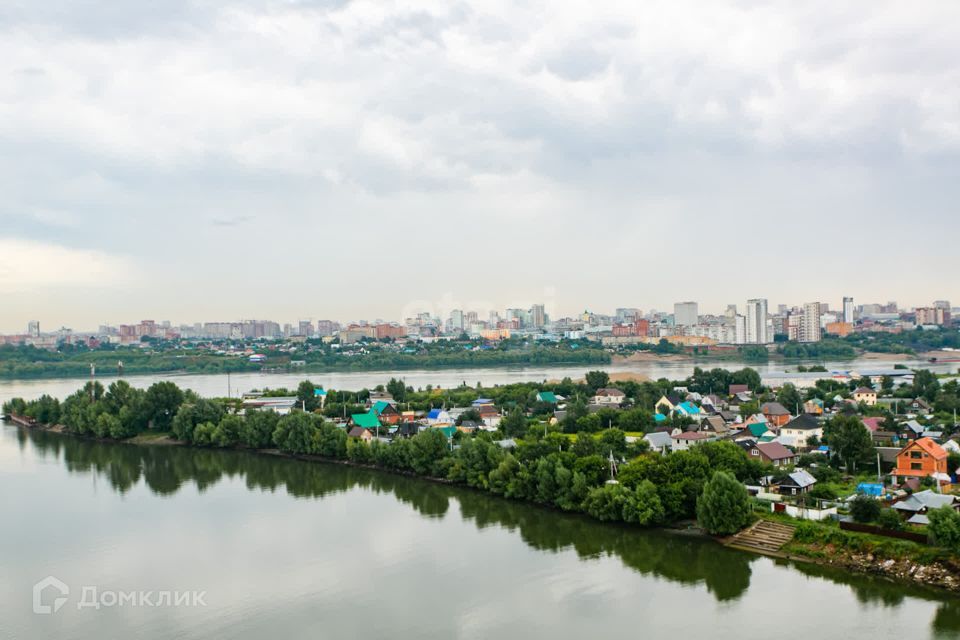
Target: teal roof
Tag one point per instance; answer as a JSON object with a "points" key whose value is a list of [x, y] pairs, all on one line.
{"points": [[379, 406], [447, 431], [659, 417], [547, 396], [365, 420], [757, 430]]}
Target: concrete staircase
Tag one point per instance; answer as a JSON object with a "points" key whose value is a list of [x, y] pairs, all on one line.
{"points": [[762, 537]]}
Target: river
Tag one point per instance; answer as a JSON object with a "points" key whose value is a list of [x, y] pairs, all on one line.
{"points": [[217, 385], [281, 548]]}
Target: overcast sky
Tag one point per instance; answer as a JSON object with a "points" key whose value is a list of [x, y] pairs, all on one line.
{"points": [[198, 160]]}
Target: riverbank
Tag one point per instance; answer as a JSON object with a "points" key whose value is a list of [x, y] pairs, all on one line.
{"points": [[927, 567]]}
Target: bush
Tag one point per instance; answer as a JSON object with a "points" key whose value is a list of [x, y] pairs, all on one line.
{"points": [[890, 519], [864, 509], [944, 528]]}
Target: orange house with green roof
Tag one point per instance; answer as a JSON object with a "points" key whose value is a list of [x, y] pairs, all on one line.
{"points": [[921, 458]]}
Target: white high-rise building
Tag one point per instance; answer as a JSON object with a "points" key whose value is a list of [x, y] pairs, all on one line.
{"points": [[848, 309], [33, 328], [685, 314], [757, 321], [810, 323], [739, 329]]}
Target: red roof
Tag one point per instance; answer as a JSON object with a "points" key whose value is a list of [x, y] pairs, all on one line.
{"points": [[927, 444], [872, 423]]}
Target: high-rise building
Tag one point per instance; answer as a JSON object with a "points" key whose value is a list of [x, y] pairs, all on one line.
{"points": [[942, 304], [739, 329], [685, 314], [810, 322], [456, 320], [305, 328], [538, 317], [33, 328], [848, 309], [757, 321], [932, 316]]}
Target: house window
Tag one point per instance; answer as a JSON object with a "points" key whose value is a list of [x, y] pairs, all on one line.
{"points": [[915, 454], [916, 466], [754, 452]]}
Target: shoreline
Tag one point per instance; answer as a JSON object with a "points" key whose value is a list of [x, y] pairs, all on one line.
{"points": [[934, 576]]}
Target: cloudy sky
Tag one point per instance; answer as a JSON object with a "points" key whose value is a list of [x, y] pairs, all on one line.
{"points": [[198, 160]]}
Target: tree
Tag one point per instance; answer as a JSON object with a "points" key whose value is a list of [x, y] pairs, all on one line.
{"points": [[597, 379], [306, 396], [514, 425], [644, 506], [789, 397], [397, 389], [944, 528], [295, 432], [864, 509], [161, 404], [724, 506], [258, 427], [851, 441]]}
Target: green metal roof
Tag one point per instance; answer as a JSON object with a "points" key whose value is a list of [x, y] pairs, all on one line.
{"points": [[547, 396], [379, 406], [366, 420]]}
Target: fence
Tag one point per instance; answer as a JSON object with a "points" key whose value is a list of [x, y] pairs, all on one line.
{"points": [[880, 531]]}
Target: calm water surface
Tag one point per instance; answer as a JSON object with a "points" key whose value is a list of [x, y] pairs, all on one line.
{"points": [[217, 385], [290, 549]]}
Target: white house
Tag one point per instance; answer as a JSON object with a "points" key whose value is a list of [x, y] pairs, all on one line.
{"points": [[608, 396]]}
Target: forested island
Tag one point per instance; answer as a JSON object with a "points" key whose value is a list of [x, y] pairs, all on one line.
{"points": [[595, 462]]}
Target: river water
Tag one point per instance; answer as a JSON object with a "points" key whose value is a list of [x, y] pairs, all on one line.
{"points": [[281, 548], [238, 383]]}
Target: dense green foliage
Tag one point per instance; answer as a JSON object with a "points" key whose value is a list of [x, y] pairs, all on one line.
{"points": [[724, 506], [545, 467], [944, 528]]}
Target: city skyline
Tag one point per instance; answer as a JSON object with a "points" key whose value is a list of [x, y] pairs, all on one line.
{"points": [[691, 313], [303, 153]]}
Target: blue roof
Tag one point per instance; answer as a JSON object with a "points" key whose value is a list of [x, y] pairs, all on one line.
{"points": [[688, 408], [483, 401], [434, 414], [319, 392], [659, 417]]}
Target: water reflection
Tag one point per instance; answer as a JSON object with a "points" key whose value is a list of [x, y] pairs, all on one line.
{"points": [[726, 574]]}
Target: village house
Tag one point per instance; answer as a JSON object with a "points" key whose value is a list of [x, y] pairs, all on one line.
{"points": [[439, 417], [775, 413], [386, 412], [548, 397], [659, 441], [813, 407], [773, 453], [865, 395], [919, 405], [687, 439], [797, 483], [922, 458], [916, 506], [367, 420], [359, 432], [609, 397], [666, 404], [801, 429]]}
